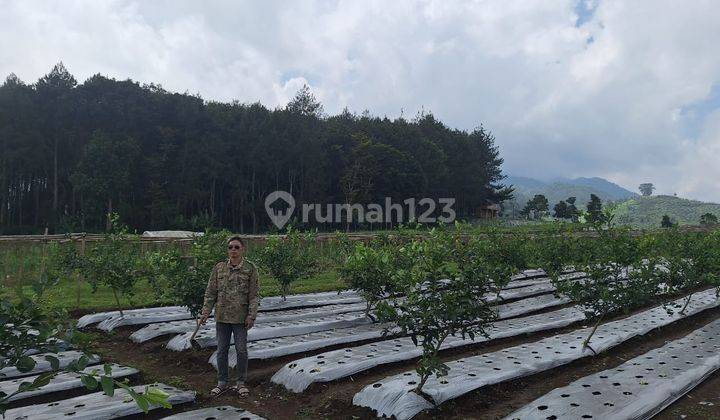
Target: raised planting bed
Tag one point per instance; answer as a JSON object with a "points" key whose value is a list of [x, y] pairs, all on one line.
{"points": [[284, 346], [216, 413], [299, 374], [638, 388], [206, 337], [42, 365], [177, 327], [61, 382], [394, 395], [96, 406]]}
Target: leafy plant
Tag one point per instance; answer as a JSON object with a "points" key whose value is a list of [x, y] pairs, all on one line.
{"points": [[607, 263], [186, 278], [432, 309], [689, 261], [167, 271], [666, 222], [289, 259], [64, 260], [30, 326], [115, 263], [369, 270], [708, 219]]}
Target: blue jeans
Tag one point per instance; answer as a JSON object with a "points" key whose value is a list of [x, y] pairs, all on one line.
{"points": [[223, 338]]}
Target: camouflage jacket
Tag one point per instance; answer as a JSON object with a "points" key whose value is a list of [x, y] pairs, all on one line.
{"points": [[233, 291]]}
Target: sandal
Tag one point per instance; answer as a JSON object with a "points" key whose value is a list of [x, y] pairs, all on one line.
{"points": [[217, 391], [241, 390]]}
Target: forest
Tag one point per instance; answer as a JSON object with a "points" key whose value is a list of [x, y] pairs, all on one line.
{"points": [[72, 153]]}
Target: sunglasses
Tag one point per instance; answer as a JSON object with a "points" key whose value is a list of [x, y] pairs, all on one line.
{"points": [[234, 247]]}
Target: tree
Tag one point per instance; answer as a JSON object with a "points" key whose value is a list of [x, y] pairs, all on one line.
{"points": [[607, 288], [561, 210], [182, 280], [690, 261], [431, 311], [305, 103], [105, 171], [647, 189], [708, 219], [666, 222], [369, 270], [72, 153], [115, 263], [594, 209], [288, 259], [572, 211], [537, 206]]}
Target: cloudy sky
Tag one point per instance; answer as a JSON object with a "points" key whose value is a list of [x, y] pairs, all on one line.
{"points": [[626, 90]]}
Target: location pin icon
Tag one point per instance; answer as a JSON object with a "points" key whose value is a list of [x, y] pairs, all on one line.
{"points": [[280, 206]]}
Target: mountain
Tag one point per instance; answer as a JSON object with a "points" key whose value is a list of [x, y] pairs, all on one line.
{"points": [[648, 211], [613, 191], [561, 189]]}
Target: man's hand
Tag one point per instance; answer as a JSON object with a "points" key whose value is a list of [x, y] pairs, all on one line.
{"points": [[204, 318], [249, 322]]}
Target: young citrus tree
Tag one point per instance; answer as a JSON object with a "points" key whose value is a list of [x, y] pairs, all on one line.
{"points": [[502, 255], [115, 263], [433, 309], [369, 270], [183, 279], [289, 259], [607, 288], [689, 260]]}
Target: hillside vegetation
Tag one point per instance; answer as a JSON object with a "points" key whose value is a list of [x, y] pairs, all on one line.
{"points": [[72, 153], [581, 188], [648, 211]]}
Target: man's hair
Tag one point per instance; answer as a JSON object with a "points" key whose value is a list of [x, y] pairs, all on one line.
{"points": [[236, 238]]}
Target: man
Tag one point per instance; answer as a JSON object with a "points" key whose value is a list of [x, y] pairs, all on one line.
{"points": [[233, 291]]}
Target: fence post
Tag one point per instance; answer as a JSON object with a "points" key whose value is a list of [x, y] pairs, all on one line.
{"points": [[79, 276], [44, 252]]}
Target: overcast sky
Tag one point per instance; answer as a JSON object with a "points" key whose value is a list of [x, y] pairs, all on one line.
{"points": [[626, 90]]}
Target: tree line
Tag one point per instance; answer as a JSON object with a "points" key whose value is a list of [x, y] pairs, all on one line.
{"points": [[70, 154]]}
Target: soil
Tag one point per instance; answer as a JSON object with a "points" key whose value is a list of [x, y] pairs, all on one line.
{"points": [[191, 370]]}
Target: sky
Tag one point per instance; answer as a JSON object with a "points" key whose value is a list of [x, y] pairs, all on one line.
{"points": [[624, 90]]}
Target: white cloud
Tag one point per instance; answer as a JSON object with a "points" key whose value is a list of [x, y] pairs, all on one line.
{"points": [[601, 99]]}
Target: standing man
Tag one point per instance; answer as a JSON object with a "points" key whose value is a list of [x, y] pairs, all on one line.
{"points": [[233, 291]]}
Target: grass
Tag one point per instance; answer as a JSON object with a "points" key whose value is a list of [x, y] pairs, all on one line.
{"points": [[65, 293], [21, 264]]}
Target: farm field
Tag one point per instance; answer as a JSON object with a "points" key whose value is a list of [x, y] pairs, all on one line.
{"points": [[338, 346], [191, 370]]}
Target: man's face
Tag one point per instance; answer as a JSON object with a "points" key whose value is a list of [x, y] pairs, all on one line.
{"points": [[235, 249]]}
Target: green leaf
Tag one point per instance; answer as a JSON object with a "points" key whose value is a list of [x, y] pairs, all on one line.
{"points": [[89, 382], [108, 385], [157, 396], [25, 364], [54, 362], [141, 401], [108, 368], [25, 386], [83, 362], [43, 379]]}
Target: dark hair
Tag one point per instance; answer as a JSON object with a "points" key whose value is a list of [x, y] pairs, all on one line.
{"points": [[236, 238]]}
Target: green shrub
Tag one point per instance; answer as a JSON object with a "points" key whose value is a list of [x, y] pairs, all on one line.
{"points": [[445, 288], [289, 259]]}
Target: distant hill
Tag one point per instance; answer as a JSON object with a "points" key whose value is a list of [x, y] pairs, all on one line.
{"points": [[613, 191], [648, 211], [561, 189]]}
